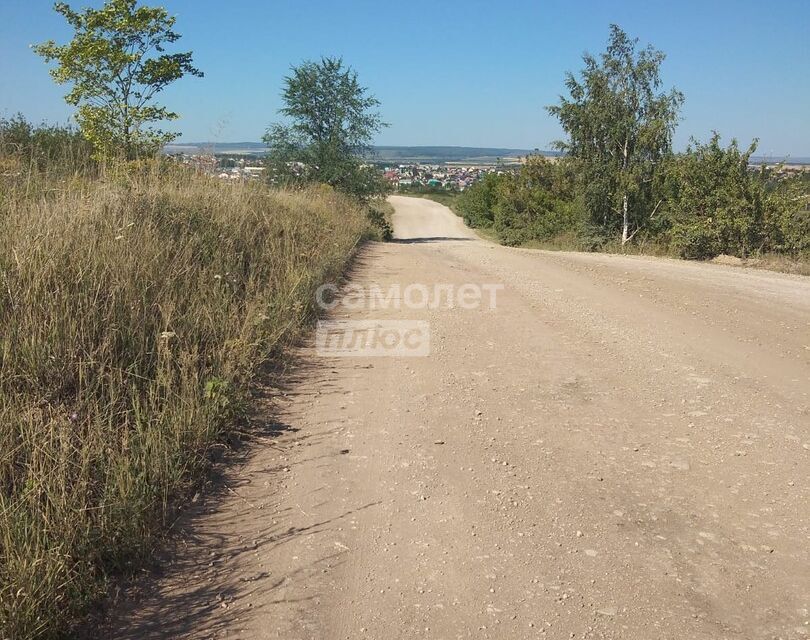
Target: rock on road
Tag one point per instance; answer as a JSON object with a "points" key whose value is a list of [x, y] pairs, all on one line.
{"points": [[619, 449]]}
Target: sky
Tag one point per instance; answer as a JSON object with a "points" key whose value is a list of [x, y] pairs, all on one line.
{"points": [[472, 73]]}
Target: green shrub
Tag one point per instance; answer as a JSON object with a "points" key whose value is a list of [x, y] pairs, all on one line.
{"points": [[379, 221], [715, 204], [536, 203], [55, 148], [477, 202], [787, 216]]}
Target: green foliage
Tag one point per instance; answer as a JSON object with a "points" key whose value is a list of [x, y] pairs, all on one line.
{"points": [[536, 202], [619, 127], [332, 122], [379, 220], [44, 147], [220, 395], [717, 205], [116, 64], [620, 180], [476, 203], [787, 214], [525, 206]]}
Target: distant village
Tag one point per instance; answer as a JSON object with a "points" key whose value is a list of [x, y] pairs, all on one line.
{"points": [[439, 176], [225, 167], [402, 176]]}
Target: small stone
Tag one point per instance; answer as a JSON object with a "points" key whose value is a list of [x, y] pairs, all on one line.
{"points": [[680, 464]]}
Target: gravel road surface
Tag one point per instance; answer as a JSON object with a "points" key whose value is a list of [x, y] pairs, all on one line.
{"points": [[620, 448]]}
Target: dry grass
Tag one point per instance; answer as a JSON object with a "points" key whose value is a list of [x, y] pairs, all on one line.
{"points": [[133, 310], [447, 198], [785, 264], [798, 265]]}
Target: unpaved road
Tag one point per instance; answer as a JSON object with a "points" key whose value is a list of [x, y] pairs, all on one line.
{"points": [[619, 449]]}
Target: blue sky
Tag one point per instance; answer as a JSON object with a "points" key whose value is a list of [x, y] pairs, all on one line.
{"points": [[456, 73]]}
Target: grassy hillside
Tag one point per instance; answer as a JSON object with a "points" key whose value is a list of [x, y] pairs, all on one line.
{"points": [[134, 310]]}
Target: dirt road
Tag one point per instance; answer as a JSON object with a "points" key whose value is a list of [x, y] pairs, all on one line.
{"points": [[619, 449]]}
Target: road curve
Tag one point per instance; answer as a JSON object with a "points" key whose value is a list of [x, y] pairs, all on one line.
{"points": [[618, 449], [424, 220]]}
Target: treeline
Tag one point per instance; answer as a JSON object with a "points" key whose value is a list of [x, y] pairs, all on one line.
{"points": [[707, 202], [620, 181]]}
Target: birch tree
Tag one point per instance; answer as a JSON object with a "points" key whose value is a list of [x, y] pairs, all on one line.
{"points": [[619, 125]]}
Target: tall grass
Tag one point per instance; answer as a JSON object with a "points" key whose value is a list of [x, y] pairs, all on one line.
{"points": [[134, 308], [29, 149]]}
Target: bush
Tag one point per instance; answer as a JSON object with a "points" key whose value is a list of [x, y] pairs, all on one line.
{"points": [[54, 148], [476, 203], [379, 219], [787, 216], [133, 313], [715, 204], [536, 203]]}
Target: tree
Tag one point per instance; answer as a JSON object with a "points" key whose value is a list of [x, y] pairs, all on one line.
{"points": [[333, 120], [619, 126], [117, 64]]}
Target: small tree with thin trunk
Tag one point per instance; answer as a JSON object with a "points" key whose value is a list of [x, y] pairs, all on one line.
{"points": [[619, 125], [116, 64]]}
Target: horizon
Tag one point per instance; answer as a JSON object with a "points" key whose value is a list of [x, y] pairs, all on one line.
{"points": [[470, 77], [548, 152]]}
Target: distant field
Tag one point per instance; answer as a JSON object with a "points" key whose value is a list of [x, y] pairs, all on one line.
{"points": [[450, 155], [780, 160]]}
